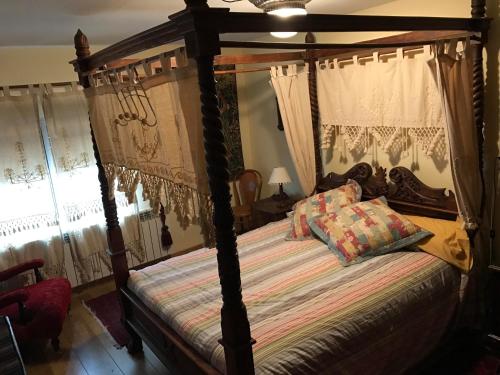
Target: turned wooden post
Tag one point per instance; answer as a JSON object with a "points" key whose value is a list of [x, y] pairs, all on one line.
{"points": [[236, 338], [478, 10], [313, 96], [190, 4], [117, 250]]}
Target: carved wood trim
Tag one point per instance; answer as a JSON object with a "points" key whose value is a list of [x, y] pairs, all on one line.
{"points": [[376, 185], [478, 110], [405, 192], [409, 195], [360, 172], [478, 8]]}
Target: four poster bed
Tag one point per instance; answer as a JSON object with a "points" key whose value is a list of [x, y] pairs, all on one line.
{"points": [[308, 314]]}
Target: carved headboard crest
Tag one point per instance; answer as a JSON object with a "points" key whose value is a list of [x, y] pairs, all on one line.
{"points": [[409, 189], [360, 172], [405, 192]]}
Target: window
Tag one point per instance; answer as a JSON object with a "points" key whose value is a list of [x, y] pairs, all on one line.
{"points": [[49, 192]]}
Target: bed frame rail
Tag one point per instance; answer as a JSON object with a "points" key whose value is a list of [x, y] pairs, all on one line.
{"points": [[167, 345], [215, 21]]}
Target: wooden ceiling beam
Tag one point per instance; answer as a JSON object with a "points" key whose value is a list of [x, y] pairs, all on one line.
{"points": [[235, 22]]}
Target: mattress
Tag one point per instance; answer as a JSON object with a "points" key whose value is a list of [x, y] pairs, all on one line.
{"points": [[307, 313]]}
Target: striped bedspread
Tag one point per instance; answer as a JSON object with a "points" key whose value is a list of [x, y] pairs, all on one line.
{"points": [[309, 314]]}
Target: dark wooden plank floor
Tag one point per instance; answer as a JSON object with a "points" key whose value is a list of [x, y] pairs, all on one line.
{"points": [[86, 349]]}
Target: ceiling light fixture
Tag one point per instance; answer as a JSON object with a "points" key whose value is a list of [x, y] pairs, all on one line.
{"points": [[282, 8], [283, 34]]}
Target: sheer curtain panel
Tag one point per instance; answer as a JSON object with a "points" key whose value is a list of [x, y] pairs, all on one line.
{"points": [[292, 91], [453, 69], [29, 226], [389, 102], [76, 186], [148, 130]]}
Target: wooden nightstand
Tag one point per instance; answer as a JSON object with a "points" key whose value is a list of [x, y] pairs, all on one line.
{"points": [[268, 210]]}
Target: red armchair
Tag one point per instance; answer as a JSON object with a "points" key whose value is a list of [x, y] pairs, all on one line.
{"points": [[36, 311]]}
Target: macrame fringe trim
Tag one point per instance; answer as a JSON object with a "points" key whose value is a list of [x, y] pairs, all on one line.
{"points": [[431, 140], [190, 205], [10, 227]]}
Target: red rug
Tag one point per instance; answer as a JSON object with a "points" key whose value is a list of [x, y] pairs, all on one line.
{"points": [[106, 309]]}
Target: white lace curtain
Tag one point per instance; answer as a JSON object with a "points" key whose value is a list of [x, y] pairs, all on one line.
{"points": [[391, 103], [28, 217], [292, 91], [394, 103], [76, 187], [49, 191], [148, 129]]}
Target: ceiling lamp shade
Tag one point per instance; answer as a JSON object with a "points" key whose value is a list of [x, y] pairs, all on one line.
{"points": [[282, 8], [283, 34]]}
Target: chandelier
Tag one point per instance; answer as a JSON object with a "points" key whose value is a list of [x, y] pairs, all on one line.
{"points": [[282, 8]]}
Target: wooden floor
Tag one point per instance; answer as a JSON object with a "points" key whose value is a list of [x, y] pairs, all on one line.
{"points": [[86, 348]]}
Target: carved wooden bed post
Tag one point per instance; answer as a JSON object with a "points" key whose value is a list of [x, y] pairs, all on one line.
{"points": [[478, 11], [313, 96], [117, 250], [236, 339]]}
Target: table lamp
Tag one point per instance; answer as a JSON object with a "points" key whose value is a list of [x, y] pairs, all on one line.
{"points": [[279, 176]]}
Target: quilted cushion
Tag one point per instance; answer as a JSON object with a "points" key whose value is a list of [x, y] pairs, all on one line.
{"points": [[450, 241], [319, 204], [364, 230], [46, 308]]}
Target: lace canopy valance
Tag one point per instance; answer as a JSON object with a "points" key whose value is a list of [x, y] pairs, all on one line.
{"points": [[419, 99], [390, 101], [148, 130]]}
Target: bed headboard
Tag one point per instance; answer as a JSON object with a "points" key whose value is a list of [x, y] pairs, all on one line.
{"points": [[405, 193]]}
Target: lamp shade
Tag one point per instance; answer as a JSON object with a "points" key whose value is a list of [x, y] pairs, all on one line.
{"points": [[279, 175], [295, 6]]}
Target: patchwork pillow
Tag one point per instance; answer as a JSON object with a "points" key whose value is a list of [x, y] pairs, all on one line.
{"points": [[366, 229], [320, 204]]}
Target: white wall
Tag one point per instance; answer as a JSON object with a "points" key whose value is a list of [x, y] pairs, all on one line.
{"points": [[33, 64]]}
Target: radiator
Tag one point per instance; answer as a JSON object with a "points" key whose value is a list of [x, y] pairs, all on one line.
{"points": [[147, 250]]}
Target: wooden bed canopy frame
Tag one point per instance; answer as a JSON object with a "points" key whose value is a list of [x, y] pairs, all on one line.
{"points": [[200, 27]]}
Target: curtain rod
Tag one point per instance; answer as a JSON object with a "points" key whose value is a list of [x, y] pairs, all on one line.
{"points": [[236, 71], [319, 46], [317, 50], [369, 53], [57, 84]]}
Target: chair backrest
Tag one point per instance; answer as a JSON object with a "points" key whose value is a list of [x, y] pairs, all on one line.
{"points": [[247, 186]]}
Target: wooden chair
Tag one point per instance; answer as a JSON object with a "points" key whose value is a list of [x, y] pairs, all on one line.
{"points": [[246, 188]]}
